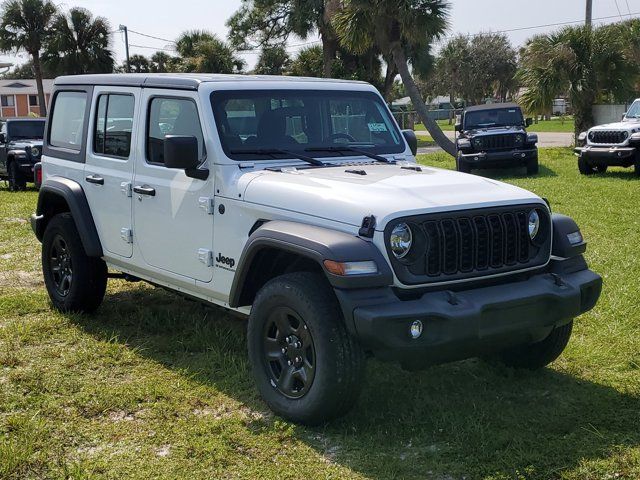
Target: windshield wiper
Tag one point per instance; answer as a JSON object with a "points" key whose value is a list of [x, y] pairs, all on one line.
{"points": [[340, 150], [272, 152]]}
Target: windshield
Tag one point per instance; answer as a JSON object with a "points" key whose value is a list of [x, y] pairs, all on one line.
{"points": [[634, 110], [500, 117], [253, 123], [25, 130]]}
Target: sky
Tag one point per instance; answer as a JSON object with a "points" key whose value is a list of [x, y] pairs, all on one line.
{"points": [[166, 19]]}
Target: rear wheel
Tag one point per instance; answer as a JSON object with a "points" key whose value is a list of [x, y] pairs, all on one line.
{"points": [[601, 168], [17, 182], [74, 281], [540, 354], [306, 365]]}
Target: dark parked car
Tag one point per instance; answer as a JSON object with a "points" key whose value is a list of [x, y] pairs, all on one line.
{"points": [[20, 150], [495, 136]]}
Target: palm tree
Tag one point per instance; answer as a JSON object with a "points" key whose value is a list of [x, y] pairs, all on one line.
{"points": [[139, 64], [26, 25], [79, 44], [393, 27], [273, 60], [590, 64], [162, 62], [203, 51]]}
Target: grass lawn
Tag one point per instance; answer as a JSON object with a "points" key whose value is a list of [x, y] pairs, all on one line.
{"points": [[154, 386], [557, 124]]}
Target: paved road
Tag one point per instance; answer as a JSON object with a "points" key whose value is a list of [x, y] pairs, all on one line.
{"points": [[545, 139]]}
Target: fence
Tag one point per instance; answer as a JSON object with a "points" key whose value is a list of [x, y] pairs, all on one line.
{"points": [[409, 119], [608, 113]]}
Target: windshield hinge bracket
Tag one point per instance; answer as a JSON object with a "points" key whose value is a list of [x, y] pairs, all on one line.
{"points": [[207, 204], [368, 227]]}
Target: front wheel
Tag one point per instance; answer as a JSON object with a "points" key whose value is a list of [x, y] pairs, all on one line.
{"points": [[307, 367], [540, 354], [74, 281], [533, 167], [462, 165], [584, 167], [17, 183]]}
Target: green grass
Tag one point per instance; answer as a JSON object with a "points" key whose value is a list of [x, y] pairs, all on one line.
{"points": [[557, 124], [154, 386]]}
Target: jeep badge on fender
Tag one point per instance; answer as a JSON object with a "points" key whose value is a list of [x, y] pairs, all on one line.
{"points": [[332, 241]]}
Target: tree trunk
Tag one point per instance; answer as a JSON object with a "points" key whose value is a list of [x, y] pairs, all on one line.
{"points": [[37, 68], [389, 80], [329, 50], [418, 103]]}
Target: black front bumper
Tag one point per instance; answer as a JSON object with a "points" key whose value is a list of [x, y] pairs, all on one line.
{"points": [[25, 167], [499, 158], [612, 156], [468, 323]]}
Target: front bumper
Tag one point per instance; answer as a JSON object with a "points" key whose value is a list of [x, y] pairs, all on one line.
{"points": [[25, 167], [614, 156], [472, 322], [500, 158]]}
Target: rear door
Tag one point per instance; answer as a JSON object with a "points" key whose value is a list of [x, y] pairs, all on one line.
{"points": [[109, 165], [173, 225]]}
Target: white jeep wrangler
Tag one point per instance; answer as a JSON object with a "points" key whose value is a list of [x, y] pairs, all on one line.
{"points": [[299, 203], [613, 144]]}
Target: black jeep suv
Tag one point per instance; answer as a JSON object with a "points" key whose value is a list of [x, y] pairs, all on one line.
{"points": [[493, 136], [20, 150]]}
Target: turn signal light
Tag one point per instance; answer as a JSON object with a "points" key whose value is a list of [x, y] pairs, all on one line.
{"points": [[344, 269]]}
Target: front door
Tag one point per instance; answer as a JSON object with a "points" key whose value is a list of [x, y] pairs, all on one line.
{"points": [[109, 166], [173, 225]]}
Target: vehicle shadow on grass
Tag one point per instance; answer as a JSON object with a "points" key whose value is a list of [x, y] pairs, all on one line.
{"points": [[466, 419], [515, 172]]}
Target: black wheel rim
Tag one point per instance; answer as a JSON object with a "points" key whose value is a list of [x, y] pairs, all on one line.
{"points": [[288, 352], [61, 267]]}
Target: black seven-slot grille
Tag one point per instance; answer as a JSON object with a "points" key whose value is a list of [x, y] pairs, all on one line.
{"points": [[496, 142], [458, 245], [608, 137]]}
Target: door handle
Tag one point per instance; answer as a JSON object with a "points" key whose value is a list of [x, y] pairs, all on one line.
{"points": [[95, 179], [145, 190]]}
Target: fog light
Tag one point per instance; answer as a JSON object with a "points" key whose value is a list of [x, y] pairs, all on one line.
{"points": [[416, 329]]}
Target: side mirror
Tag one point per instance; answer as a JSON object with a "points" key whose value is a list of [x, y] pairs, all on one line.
{"points": [[528, 122], [412, 140], [181, 153], [458, 127]]}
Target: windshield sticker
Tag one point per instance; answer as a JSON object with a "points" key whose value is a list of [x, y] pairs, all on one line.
{"points": [[377, 127]]}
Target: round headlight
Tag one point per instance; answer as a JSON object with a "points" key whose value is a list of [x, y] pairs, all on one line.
{"points": [[582, 137], [35, 152], [534, 224], [400, 240]]}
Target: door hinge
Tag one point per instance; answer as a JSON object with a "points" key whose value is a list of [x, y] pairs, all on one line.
{"points": [[126, 234], [205, 256], [207, 204], [125, 188]]}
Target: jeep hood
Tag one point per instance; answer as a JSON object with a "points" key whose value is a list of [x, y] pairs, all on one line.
{"points": [[386, 191], [482, 132], [631, 125]]}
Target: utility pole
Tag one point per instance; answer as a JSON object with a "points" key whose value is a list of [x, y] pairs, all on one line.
{"points": [[123, 28], [589, 16]]}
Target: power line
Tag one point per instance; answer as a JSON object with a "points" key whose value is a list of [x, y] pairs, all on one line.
{"points": [[152, 48], [628, 8], [618, 8], [547, 25], [152, 36]]}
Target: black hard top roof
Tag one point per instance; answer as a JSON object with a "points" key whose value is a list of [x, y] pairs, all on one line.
{"points": [[491, 106], [183, 81]]}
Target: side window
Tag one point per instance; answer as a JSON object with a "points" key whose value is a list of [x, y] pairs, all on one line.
{"points": [[171, 116], [67, 120], [114, 124]]}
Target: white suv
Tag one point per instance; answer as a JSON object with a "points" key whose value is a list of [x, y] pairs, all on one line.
{"points": [[613, 144], [299, 203]]}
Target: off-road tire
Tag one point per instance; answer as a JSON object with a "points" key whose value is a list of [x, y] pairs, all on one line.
{"points": [[16, 181], [339, 360], [87, 280], [636, 164], [462, 166], [601, 168], [533, 167], [584, 167], [538, 355]]}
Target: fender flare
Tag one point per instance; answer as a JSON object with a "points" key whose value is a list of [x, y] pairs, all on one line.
{"points": [[316, 244], [73, 194]]}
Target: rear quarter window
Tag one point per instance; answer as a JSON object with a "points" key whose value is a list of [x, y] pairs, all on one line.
{"points": [[67, 120]]}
